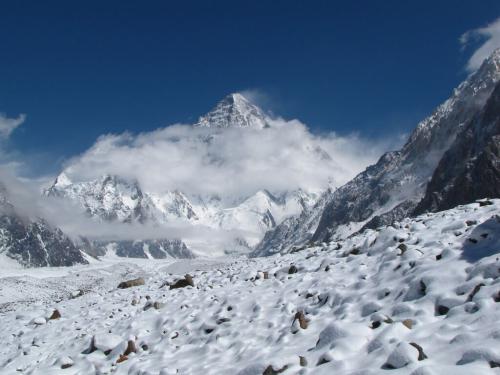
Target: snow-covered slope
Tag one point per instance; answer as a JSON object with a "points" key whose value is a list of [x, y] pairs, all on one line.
{"points": [[391, 189], [418, 297]]}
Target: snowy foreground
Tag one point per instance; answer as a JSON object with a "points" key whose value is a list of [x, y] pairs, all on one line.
{"points": [[422, 297]]}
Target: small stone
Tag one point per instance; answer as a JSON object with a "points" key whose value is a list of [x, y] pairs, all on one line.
{"points": [[471, 222], [271, 371], [442, 310], [299, 315], [496, 297], [375, 324], [122, 358], [302, 361], [131, 283], [55, 315], [421, 354], [66, 362], [130, 348], [474, 292], [158, 305], [403, 248], [292, 269], [182, 283], [485, 202], [408, 323]]}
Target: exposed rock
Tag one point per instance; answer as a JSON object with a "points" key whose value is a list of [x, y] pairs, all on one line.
{"points": [[292, 269]]}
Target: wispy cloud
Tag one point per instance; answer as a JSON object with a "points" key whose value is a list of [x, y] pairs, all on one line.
{"points": [[8, 125], [488, 36]]}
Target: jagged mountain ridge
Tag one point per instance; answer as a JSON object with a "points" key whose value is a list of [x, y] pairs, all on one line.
{"points": [[392, 188], [112, 198]]}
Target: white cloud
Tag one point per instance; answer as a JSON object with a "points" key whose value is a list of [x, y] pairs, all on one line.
{"points": [[231, 163], [8, 125], [490, 39]]}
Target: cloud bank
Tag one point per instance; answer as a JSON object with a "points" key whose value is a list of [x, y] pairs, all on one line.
{"points": [[490, 39], [229, 163]]}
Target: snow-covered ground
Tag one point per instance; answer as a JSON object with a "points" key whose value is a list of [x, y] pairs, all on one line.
{"points": [[420, 297]]}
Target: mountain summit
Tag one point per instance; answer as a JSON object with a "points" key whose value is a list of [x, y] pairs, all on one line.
{"points": [[234, 111]]}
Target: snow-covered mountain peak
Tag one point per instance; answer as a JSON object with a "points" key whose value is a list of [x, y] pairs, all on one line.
{"points": [[62, 180], [234, 111]]}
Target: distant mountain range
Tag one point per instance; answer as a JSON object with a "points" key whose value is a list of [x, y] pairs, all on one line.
{"points": [[451, 158]]}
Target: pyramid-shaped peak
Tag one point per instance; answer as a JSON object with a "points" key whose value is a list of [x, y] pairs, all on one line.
{"points": [[234, 111]]}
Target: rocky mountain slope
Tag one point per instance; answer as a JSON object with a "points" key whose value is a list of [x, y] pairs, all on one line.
{"points": [[418, 297], [470, 169], [33, 242], [392, 188]]}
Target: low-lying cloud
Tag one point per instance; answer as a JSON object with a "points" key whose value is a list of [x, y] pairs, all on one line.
{"points": [[230, 163], [490, 41]]}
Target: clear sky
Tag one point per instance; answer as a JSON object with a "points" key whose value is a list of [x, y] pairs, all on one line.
{"points": [[86, 68]]}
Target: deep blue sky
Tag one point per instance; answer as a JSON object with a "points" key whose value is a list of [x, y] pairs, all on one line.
{"points": [[79, 69]]}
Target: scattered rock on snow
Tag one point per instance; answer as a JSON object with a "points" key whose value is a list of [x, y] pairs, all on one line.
{"points": [[271, 371], [421, 354], [130, 283], [408, 323], [401, 356], [300, 318], [182, 283], [55, 315]]}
